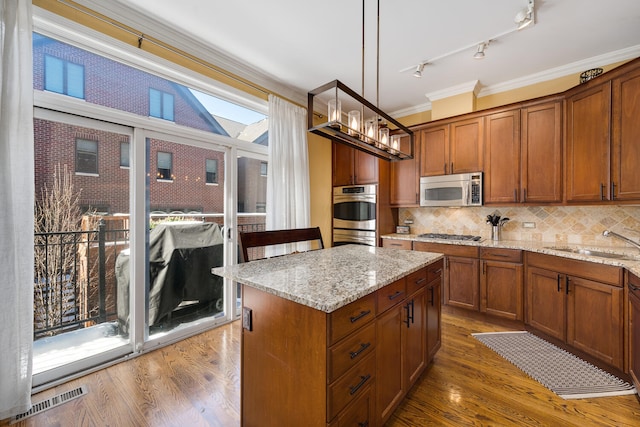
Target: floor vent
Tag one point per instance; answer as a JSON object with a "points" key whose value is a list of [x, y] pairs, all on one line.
{"points": [[52, 402]]}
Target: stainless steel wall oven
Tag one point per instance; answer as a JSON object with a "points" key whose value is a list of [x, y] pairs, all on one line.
{"points": [[354, 215]]}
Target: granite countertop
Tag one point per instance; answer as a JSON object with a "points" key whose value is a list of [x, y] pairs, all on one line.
{"points": [[631, 261], [330, 278]]}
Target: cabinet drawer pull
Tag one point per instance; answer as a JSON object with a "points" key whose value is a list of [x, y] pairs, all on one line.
{"points": [[363, 313], [395, 295], [396, 244], [559, 283], [363, 379], [421, 280], [633, 288], [566, 290], [363, 423], [438, 271], [363, 347], [601, 191]]}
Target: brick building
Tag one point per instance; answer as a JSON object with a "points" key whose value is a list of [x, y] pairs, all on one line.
{"points": [[181, 177]]}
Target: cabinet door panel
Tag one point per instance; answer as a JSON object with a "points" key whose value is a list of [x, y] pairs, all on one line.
{"points": [[466, 146], [365, 168], [626, 134], [587, 144], [405, 177], [415, 356], [594, 319], [434, 151], [342, 164], [434, 307], [634, 338], [389, 378], [502, 158], [462, 286], [546, 302], [542, 153], [501, 289]]}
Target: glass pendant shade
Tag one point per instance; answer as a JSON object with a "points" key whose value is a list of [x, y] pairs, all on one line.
{"points": [[354, 122], [334, 112]]}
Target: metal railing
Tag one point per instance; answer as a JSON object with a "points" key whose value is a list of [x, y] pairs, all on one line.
{"points": [[75, 283]]}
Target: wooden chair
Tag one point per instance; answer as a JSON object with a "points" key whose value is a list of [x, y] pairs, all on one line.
{"points": [[259, 239]]}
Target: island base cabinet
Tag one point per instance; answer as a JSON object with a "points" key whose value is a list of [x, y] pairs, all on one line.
{"points": [[286, 338], [389, 386], [634, 330]]}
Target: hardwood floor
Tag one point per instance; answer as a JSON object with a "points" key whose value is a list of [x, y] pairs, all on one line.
{"points": [[197, 383]]}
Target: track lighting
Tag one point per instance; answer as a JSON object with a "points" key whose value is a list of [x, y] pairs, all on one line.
{"points": [[480, 52], [418, 72], [525, 17]]}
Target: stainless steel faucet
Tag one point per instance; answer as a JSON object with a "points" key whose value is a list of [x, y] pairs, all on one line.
{"points": [[608, 233]]}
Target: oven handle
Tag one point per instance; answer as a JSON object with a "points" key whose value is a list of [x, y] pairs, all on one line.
{"points": [[352, 198], [355, 239]]}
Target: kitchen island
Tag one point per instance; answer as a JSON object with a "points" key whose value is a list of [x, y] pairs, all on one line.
{"points": [[335, 336]]}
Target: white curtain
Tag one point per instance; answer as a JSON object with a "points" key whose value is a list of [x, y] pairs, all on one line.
{"points": [[16, 207], [288, 202]]}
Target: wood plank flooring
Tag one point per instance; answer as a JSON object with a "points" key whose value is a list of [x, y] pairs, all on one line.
{"points": [[196, 382]]}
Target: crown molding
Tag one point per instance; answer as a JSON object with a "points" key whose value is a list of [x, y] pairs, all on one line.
{"points": [[472, 86], [164, 31], [554, 73]]}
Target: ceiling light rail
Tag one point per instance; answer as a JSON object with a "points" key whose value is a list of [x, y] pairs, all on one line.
{"points": [[368, 136]]}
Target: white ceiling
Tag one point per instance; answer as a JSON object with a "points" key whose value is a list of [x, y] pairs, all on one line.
{"points": [[303, 44]]}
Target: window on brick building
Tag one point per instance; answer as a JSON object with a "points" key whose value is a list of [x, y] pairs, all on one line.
{"points": [[63, 76], [161, 104], [212, 171], [165, 163], [86, 156], [124, 154], [263, 168]]}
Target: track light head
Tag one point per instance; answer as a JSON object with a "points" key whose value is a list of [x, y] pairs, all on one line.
{"points": [[525, 17], [480, 51], [418, 72]]}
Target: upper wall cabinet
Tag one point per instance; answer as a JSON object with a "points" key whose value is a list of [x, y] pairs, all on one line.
{"points": [[502, 157], [351, 166], [587, 144], [625, 177], [541, 151], [404, 178], [455, 147]]}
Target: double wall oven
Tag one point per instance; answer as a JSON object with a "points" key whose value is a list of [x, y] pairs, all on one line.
{"points": [[354, 215]]}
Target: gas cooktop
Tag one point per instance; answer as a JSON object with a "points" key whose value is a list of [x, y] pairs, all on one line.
{"points": [[450, 236]]}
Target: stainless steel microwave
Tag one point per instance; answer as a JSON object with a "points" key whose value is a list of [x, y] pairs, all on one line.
{"points": [[463, 189]]}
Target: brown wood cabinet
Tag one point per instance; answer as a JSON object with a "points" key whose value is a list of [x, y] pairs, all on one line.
{"points": [[401, 336], [461, 282], [633, 285], [587, 144], [404, 185], [578, 302], [541, 151], [625, 181], [502, 157], [351, 166], [502, 283], [455, 147], [435, 274]]}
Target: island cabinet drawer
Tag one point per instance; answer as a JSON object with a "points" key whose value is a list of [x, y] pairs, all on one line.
{"points": [[434, 271], [347, 319], [501, 254], [416, 280], [397, 243], [350, 386], [351, 350], [391, 294]]}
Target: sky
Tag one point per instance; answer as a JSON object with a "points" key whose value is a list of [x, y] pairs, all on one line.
{"points": [[228, 110]]}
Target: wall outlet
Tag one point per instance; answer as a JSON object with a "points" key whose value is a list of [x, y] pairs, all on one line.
{"points": [[528, 225]]}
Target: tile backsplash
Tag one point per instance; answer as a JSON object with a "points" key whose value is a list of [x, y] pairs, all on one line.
{"points": [[554, 224]]}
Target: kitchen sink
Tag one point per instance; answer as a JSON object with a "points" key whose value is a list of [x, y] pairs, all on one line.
{"points": [[590, 252]]}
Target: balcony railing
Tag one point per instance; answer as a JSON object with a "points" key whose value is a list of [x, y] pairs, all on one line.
{"points": [[75, 282]]}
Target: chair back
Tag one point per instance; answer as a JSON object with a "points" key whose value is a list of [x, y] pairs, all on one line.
{"points": [[263, 239]]}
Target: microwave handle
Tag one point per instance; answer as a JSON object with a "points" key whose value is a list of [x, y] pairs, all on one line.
{"points": [[465, 194]]}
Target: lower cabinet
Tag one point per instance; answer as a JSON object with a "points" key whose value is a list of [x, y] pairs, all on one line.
{"points": [[633, 283], [501, 283], [434, 308], [578, 302]]}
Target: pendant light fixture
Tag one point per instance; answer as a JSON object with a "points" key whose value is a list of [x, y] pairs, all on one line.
{"points": [[364, 126]]}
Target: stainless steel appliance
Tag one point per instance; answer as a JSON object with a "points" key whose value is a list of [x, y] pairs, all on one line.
{"points": [[464, 189], [354, 215]]}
